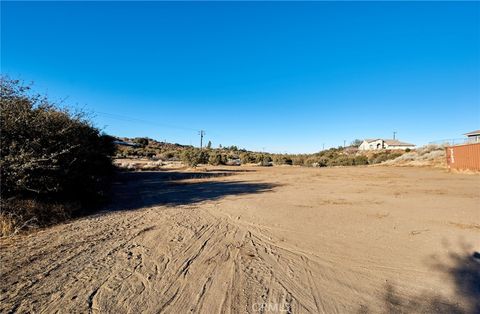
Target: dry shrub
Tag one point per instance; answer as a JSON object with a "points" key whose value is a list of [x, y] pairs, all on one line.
{"points": [[49, 157], [427, 156], [24, 214]]}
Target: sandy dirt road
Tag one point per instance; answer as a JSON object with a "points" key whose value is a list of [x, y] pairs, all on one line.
{"points": [[259, 240]]}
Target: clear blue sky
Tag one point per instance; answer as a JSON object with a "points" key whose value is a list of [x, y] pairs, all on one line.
{"points": [[281, 76]]}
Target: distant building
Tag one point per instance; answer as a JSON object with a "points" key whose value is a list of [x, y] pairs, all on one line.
{"points": [[379, 144], [473, 137]]}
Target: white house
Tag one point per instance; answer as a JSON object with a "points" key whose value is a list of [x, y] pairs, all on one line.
{"points": [[473, 137], [378, 144]]}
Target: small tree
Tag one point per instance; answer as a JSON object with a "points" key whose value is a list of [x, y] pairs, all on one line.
{"points": [[247, 158], [356, 143], [193, 157], [209, 145], [217, 159], [48, 154], [264, 160]]}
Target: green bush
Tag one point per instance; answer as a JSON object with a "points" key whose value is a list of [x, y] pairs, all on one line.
{"points": [[341, 161], [264, 160], [323, 161], [168, 155], [298, 160], [247, 158], [282, 160], [360, 160], [143, 141], [194, 157], [49, 153], [217, 159], [383, 156]]}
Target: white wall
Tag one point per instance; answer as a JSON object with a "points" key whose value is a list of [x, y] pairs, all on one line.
{"points": [[372, 145]]}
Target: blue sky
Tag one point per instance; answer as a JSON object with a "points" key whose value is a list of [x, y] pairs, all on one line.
{"points": [[279, 76]]}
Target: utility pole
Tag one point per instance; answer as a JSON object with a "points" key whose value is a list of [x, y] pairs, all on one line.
{"points": [[344, 143], [202, 134], [323, 146], [394, 133]]}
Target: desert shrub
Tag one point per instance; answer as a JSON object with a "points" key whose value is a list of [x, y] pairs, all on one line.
{"points": [[311, 161], [21, 214], [298, 160], [282, 160], [429, 148], [168, 155], [360, 160], [217, 159], [323, 161], [341, 161], [383, 156], [407, 150], [194, 157], [264, 160], [247, 158], [143, 141], [48, 153]]}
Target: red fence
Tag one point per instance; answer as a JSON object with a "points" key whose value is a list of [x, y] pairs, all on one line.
{"points": [[463, 157]]}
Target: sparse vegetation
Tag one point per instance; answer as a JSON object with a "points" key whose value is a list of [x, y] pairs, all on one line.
{"points": [[194, 157], [430, 155], [233, 155], [217, 159]]}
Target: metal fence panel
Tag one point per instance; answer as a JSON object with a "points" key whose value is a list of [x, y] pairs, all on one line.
{"points": [[464, 157]]}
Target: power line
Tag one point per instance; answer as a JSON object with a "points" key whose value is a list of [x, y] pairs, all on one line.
{"points": [[132, 119]]}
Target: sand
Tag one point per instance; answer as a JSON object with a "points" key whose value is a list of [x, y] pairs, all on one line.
{"points": [[259, 240]]}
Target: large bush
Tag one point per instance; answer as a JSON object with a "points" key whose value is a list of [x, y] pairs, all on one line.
{"points": [[247, 158], [282, 160], [382, 156], [194, 157], [217, 159], [48, 154], [264, 160]]}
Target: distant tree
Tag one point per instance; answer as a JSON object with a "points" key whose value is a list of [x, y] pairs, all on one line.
{"points": [[193, 157], [209, 145], [282, 160], [361, 160], [143, 141], [356, 143], [217, 159], [246, 158], [264, 160]]}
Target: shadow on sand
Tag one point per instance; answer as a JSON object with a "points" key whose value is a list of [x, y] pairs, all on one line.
{"points": [[462, 269], [133, 190]]}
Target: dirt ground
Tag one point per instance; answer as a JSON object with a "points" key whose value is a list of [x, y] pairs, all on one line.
{"points": [[259, 240]]}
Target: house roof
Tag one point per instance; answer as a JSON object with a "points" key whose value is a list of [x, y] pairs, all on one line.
{"points": [[476, 132], [369, 140], [397, 143]]}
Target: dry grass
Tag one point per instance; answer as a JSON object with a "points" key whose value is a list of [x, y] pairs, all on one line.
{"points": [[146, 165], [23, 215], [426, 156]]}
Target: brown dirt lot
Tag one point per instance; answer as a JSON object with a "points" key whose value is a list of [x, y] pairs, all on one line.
{"points": [[252, 240]]}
